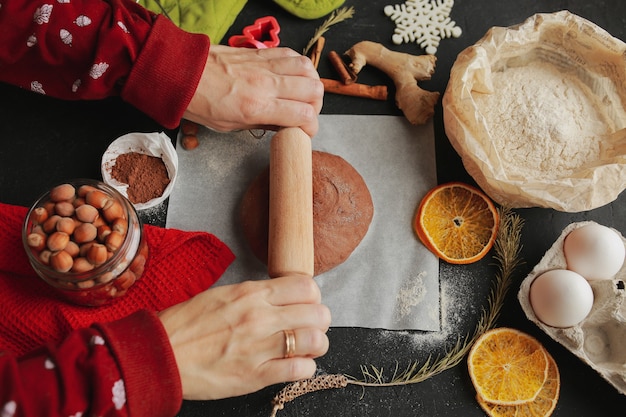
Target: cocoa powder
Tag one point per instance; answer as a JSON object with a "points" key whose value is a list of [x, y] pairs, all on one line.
{"points": [[145, 175]]}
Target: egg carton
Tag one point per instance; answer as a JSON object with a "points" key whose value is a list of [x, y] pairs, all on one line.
{"points": [[600, 339]]}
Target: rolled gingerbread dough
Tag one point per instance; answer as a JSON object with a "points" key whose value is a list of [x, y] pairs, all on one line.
{"points": [[342, 211]]}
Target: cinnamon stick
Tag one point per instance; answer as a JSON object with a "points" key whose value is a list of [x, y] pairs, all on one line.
{"points": [[374, 92], [316, 51], [346, 75]]}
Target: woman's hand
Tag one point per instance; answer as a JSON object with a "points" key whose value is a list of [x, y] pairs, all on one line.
{"points": [[230, 340], [244, 88]]}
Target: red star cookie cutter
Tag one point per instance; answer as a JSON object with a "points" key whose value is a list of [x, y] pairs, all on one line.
{"points": [[262, 34]]}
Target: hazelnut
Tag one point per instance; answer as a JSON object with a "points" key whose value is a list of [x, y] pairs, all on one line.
{"points": [[87, 213], [50, 225], [114, 241], [61, 261], [189, 142], [138, 264], [97, 198], [79, 201], [97, 254], [64, 208], [64, 284], [126, 280], [106, 277], [44, 256], [57, 241], [84, 248], [120, 225], [103, 232], [40, 215], [85, 284], [112, 210], [86, 232], [112, 291], [84, 189], [39, 230], [66, 225], [49, 206], [72, 248], [81, 265], [62, 192], [36, 241], [99, 221], [189, 128]]}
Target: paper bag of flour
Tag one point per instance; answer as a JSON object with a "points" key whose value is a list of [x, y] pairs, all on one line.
{"points": [[537, 113]]}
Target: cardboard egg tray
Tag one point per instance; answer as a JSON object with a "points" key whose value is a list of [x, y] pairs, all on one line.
{"points": [[600, 339]]}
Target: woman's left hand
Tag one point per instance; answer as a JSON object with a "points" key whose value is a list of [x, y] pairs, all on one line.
{"points": [[237, 339]]}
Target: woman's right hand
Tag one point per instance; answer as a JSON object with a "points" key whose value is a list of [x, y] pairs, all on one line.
{"points": [[244, 88], [230, 340]]}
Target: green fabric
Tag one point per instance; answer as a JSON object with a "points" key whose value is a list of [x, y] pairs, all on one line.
{"points": [[211, 17], [309, 9]]}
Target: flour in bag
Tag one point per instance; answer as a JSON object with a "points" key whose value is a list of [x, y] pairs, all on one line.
{"points": [[544, 119]]}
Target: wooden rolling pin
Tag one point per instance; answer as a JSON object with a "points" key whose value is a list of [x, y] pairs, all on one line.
{"points": [[290, 244]]}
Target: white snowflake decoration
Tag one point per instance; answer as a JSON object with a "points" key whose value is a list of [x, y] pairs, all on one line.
{"points": [[424, 22]]}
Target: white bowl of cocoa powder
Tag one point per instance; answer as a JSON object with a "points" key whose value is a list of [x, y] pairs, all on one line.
{"points": [[141, 166]]}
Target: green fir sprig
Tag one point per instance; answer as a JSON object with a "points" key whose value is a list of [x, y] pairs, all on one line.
{"points": [[507, 255], [336, 16]]}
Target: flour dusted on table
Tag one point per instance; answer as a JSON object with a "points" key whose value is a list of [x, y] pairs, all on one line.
{"points": [[542, 119]]}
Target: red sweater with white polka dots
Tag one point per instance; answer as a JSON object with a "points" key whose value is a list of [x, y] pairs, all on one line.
{"points": [[60, 359], [122, 368], [91, 49]]}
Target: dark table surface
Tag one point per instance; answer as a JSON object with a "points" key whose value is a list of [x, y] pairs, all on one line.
{"points": [[46, 141]]}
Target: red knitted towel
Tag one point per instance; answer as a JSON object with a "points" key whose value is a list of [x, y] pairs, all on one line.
{"points": [[180, 265]]}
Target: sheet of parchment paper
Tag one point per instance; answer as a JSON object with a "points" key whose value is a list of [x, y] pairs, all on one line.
{"points": [[391, 281]]}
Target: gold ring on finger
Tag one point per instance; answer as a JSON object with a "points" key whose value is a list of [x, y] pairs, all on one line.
{"points": [[290, 343]]}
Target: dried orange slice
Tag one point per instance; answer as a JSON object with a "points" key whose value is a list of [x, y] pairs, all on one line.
{"points": [[457, 222], [542, 406], [507, 367]]}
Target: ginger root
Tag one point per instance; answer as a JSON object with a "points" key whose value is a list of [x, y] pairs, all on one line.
{"points": [[405, 70]]}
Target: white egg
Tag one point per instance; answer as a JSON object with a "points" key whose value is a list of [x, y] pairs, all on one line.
{"points": [[561, 298], [594, 251]]}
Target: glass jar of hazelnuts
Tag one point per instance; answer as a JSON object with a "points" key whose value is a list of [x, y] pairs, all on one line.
{"points": [[85, 239]]}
